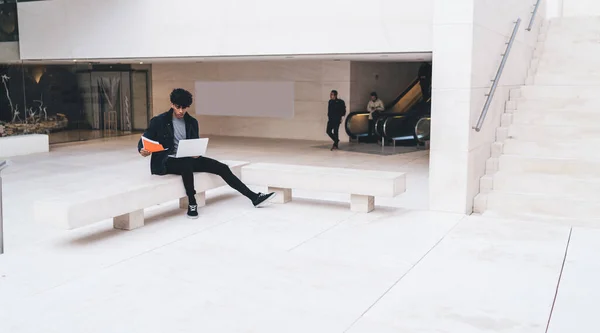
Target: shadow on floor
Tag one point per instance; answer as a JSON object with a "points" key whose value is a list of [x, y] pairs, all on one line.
{"points": [[338, 205], [150, 219], [371, 148], [153, 219]]}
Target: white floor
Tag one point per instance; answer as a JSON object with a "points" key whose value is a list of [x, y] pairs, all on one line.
{"points": [[308, 266]]}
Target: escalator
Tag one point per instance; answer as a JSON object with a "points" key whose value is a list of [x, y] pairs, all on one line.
{"points": [[411, 128], [397, 123]]}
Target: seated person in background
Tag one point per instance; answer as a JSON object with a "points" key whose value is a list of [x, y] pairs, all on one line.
{"points": [[174, 125], [375, 105]]}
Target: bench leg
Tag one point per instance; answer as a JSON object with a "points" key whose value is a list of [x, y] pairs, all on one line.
{"points": [[282, 195], [129, 221], [362, 203], [200, 199]]}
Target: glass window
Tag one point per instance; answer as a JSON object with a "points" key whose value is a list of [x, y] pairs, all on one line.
{"points": [[9, 26], [73, 102]]}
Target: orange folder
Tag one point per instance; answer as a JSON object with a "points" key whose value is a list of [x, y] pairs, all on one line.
{"points": [[152, 146]]}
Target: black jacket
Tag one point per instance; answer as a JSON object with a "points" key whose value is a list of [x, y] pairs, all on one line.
{"points": [[425, 72], [336, 109], [161, 130]]}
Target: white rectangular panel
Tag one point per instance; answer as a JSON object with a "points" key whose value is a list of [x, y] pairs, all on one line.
{"points": [[245, 99]]}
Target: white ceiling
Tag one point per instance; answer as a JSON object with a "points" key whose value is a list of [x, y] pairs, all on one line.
{"points": [[375, 57]]}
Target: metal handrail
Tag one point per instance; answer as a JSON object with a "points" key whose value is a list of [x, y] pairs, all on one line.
{"points": [[490, 95], [3, 165], [533, 14]]}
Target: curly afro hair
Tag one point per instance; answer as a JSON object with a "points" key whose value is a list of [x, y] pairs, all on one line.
{"points": [[181, 97]]}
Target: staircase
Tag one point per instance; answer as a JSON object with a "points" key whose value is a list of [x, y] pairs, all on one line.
{"points": [[546, 159]]}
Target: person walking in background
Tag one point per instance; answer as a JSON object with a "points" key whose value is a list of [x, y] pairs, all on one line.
{"points": [[375, 106], [335, 112], [425, 72], [175, 125]]}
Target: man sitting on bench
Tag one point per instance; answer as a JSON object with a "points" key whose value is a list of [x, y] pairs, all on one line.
{"points": [[174, 125]]}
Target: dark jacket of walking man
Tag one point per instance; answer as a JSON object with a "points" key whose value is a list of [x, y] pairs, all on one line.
{"points": [[175, 125], [335, 112]]}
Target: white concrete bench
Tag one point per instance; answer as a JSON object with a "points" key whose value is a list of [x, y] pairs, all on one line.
{"points": [[123, 197], [362, 185], [26, 144]]}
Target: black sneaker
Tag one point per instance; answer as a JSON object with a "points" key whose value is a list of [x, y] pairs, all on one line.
{"points": [[192, 211], [262, 199]]}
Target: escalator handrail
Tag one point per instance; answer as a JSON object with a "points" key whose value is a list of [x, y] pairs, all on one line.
{"points": [[406, 91], [382, 117], [347, 121], [428, 117], [380, 120], [385, 135], [389, 137]]}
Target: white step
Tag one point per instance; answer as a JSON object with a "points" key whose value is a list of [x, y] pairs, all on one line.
{"points": [[566, 65], [553, 149], [561, 79], [556, 47], [550, 117], [562, 46], [536, 133], [566, 73], [578, 168], [558, 92], [566, 103], [540, 184], [544, 163], [491, 165], [542, 205], [584, 52], [530, 81]]}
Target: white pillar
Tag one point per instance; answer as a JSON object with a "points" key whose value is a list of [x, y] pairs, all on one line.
{"points": [[469, 38], [451, 105]]}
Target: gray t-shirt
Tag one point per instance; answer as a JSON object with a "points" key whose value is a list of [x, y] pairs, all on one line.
{"points": [[179, 127]]}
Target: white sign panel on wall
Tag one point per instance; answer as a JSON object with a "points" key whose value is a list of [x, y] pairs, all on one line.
{"points": [[267, 99]]}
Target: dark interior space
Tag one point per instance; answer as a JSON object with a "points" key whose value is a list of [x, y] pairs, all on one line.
{"points": [[72, 102], [405, 121]]}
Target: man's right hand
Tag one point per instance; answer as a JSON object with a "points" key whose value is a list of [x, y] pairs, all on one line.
{"points": [[145, 153]]}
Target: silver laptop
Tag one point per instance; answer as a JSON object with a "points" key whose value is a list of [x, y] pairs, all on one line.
{"points": [[192, 147]]}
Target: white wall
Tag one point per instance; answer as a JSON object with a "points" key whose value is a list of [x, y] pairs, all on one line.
{"points": [[580, 8], [468, 40], [63, 29], [313, 80], [570, 8], [554, 8], [387, 79]]}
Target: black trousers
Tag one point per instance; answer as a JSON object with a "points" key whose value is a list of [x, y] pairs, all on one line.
{"points": [[333, 129], [187, 166]]}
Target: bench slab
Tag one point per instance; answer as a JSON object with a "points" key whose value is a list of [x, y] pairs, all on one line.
{"points": [[123, 200], [20, 145], [362, 185]]}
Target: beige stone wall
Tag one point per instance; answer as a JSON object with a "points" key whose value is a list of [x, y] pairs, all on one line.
{"points": [[313, 82]]}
